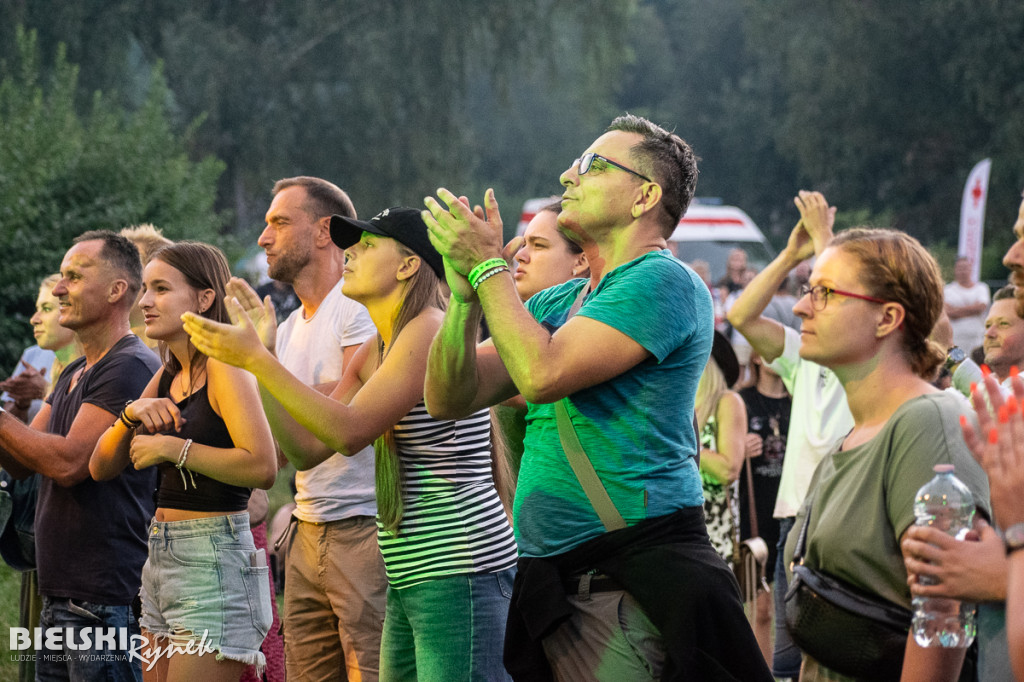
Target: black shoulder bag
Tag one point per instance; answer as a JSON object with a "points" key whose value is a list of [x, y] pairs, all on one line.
{"points": [[846, 629]]}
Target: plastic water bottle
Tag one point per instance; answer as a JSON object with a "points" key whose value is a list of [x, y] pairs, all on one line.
{"points": [[944, 503]]}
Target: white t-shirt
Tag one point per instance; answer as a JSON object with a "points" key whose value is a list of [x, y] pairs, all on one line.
{"points": [[339, 487], [968, 332], [818, 422]]}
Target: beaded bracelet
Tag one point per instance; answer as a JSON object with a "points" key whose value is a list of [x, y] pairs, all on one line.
{"points": [[487, 275], [476, 272], [181, 464], [130, 424], [184, 454]]}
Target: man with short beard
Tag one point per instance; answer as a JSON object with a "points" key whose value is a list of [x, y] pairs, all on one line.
{"points": [[334, 593], [978, 572]]}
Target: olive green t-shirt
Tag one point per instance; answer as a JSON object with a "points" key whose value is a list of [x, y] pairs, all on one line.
{"points": [[863, 498]]}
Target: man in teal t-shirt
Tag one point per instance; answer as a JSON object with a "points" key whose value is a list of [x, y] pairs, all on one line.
{"points": [[627, 366]]}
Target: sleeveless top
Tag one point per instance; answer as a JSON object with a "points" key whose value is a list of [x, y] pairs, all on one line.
{"points": [[189, 490], [721, 502], [453, 521]]}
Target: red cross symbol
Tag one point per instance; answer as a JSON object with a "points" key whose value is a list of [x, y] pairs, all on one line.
{"points": [[977, 193]]}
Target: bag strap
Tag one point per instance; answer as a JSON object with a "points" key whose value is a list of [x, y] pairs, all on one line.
{"points": [[584, 470], [578, 303], [750, 497], [801, 541], [577, 456]]}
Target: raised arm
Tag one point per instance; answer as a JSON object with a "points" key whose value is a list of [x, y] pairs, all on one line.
{"points": [[463, 377], [999, 446], [303, 449], [810, 236], [381, 401], [543, 366]]}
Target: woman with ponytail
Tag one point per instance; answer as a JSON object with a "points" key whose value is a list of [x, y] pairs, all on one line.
{"points": [[446, 542], [873, 299]]}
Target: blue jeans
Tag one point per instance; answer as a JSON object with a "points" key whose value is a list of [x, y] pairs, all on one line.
{"points": [[786, 661], [101, 662], [447, 629]]}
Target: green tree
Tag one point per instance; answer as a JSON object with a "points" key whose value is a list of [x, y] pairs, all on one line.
{"points": [[695, 70], [62, 173], [889, 105]]}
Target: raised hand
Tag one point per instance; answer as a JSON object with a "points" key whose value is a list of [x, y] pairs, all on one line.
{"points": [[998, 445], [261, 313], [814, 230], [464, 237], [236, 344]]}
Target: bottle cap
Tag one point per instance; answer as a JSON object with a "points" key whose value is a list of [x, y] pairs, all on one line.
{"points": [[943, 468]]}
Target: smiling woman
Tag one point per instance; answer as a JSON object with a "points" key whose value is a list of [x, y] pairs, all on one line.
{"points": [[200, 423]]}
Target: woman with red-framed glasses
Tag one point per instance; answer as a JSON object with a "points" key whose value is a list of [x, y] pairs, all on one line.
{"points": [[873, 299]]}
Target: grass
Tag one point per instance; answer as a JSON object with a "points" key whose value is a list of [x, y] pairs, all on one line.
{"points": [[10, 595]]}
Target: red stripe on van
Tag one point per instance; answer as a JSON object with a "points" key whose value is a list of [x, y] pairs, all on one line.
{"points": [[713, 221]]}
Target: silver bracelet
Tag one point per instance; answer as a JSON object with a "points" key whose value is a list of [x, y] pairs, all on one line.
{"points": [[181, 464]]}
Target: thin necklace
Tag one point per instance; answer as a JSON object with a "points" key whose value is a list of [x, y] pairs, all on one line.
{"points": [[192, 382]]}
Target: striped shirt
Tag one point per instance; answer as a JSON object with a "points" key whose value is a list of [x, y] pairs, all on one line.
{"points": [[453, 521]]}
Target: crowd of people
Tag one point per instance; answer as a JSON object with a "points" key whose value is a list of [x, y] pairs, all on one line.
{"points": [[545, 459]]}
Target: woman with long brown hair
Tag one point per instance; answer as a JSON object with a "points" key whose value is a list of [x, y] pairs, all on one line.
{"points": [[205, 589], [446, 542]]}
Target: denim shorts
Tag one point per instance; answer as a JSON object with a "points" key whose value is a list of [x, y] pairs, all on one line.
{"points": [[205, 579]]}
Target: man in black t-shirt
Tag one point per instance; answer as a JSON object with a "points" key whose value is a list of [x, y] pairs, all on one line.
{"points": [[90, 536]]}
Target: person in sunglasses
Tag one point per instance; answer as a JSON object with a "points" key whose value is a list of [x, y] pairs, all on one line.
{"points": [[634, 591]]}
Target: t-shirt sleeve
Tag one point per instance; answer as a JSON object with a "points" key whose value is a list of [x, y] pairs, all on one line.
{"points": [[353, 324], [927, 435], [656, 302], [788, 362], [118, 381]]}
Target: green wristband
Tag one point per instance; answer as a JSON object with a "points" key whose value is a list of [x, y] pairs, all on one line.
{"points": [[488, 274], [482, 267]]}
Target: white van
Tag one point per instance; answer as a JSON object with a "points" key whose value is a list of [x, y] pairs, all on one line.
{"points": [[708, 231]]}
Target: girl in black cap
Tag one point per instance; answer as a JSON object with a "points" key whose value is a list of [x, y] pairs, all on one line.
{"points": [[447, 544]]}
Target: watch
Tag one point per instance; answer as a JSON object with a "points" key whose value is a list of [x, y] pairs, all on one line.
{"points": [[1014, 537], [955, 356]]}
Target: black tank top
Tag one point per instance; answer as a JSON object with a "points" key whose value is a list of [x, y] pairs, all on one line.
{"points": [[203, 426]]}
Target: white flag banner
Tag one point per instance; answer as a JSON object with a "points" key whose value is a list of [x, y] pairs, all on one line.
{"points": [[972, 215]]}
